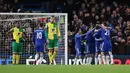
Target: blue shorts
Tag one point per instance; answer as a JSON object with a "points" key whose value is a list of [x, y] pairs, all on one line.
{"points": [[39, 48], [106, 47], [90, 48], [97, 47]]}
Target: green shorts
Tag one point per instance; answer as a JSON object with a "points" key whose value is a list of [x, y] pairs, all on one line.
{"points": [[17, 47], [53, 44]]}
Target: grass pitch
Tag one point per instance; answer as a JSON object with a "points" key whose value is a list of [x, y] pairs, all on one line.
{"points": [[64, 69]]}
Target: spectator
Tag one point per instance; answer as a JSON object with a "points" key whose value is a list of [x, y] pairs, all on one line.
{"points": [[81, 15]]}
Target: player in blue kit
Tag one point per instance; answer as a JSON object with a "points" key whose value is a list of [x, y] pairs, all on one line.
{"points": [[98, 42], [78, 45], [39, 41], [90, 45], [78, 39], [106, 49]]}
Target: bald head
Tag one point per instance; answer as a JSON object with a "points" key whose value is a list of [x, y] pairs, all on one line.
{"points": [[52, 19], [17, 25]]}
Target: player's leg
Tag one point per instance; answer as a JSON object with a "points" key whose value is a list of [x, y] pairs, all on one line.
{"points": [[77, 52], [96, 54], [87, 53], [41, 53], [107, 59], [90, 59], [99, 59], [96, 58], [50, 48], [37, 54], [103, 58], [36, 57], [14, 50], [111, 56], [41, 57], [77, 56], [19, 50], [103, 53], [99, 55], [55, 48], [92, 52]]}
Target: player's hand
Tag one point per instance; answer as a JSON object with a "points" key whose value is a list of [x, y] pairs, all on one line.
{"points": [[59, 40], [95, 30], [109, 27], [25, 39], [100, 39], [47, 41]]}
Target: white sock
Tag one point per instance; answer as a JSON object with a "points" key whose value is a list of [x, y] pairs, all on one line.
{"points": [[87, 61], [111, 58], [104, 61], [41, 58], [75, 60], [84, 61], [96, 60], [80, 61], [36, 56], [90, 60], [99, 59], [107, 59]]}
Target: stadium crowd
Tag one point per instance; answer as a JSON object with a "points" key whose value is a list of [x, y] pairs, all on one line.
{"points": [[90, 13], [84, 14]]}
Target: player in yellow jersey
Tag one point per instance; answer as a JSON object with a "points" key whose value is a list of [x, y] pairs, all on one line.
{"points": [[17, 32], [52, 36]]}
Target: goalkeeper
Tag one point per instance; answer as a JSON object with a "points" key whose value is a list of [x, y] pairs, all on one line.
{"points": [[53, 36], [17, 32]]}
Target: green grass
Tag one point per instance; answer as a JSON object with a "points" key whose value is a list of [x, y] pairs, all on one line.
{"points": [[64, 69]]}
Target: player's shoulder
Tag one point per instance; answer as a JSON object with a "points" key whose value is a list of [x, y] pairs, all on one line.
{"points": [[76, 34], [47, 24], [101, 29], [35, 30], [14, 28], [22, 29]]}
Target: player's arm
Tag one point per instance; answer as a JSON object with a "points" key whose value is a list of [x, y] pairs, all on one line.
{"points": [[46, 33], [58, 32], [24, 32], [33, 38], [112, 30], [100, 39], [59, 36], [44, 37], [9, 32], [77, 36]]}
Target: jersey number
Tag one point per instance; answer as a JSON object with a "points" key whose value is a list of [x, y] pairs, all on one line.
{"points": [[39, 35], [107, 32]]}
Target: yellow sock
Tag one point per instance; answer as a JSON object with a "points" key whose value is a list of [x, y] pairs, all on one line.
{"points": [[54, 55], [50, 56], [13, 58], [17, 59]]}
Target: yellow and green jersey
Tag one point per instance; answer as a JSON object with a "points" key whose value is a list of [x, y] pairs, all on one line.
{"points": [[17, 34], [52, 31]]}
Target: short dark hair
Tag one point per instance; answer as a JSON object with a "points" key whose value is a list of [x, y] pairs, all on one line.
{"points": [[97, 26], [53, 16], [104, 23], [41, 24]]}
